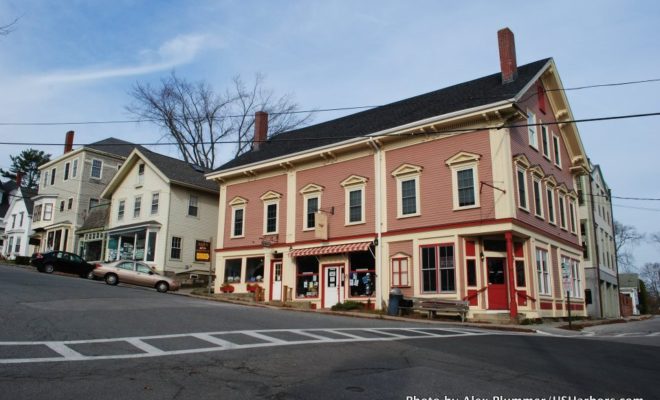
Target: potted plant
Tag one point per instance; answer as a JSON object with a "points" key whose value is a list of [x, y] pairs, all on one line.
{"points": [[227, 288]]}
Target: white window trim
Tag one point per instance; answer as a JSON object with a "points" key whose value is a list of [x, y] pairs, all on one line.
{"points": [[545, 133], [139, 179], [180, 247], [475, 180], [267, 203], [69, 203], [74, 168], [306, 197], [91, 169], [135, 202], [46, 207], [233, 221], [64, 172], [556, 146], [399, 198], [541, 286], [562, 213], [151, 208], [351, 184], [541, 211], [120, 203], [188, 214], [572, 216], [531, 128], [524, 171], [552, 216]]}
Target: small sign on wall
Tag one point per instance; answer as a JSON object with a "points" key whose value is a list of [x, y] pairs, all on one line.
{"points": [[202, 250]]}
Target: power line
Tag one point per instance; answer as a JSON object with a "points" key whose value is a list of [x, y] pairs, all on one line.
{"points": [[319, 138], [129, 121]]}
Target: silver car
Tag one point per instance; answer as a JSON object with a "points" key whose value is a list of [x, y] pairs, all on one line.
{"points": [[134, 273]]}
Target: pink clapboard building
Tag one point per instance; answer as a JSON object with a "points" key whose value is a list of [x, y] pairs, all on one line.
{"points": [[465, 193]]}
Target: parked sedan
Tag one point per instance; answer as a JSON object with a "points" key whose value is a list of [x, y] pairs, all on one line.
{"points": [[135, 273], [62, 261]]}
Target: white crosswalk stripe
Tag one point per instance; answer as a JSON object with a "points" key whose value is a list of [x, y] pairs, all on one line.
{"points": [[163, 345]]}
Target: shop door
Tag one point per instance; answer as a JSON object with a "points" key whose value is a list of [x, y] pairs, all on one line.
{"points": [[276, 281], [332, 287], [497, 299]]}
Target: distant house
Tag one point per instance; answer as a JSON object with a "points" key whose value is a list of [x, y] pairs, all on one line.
{"points": [[70, 187], [599, 254], [463, 193], [629, 288], [7, 191], [18, 224], [162, 210]]}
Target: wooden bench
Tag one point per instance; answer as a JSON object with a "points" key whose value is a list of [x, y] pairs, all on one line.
{"points": [[435, 306]]}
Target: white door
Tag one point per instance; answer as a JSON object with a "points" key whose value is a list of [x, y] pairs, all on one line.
{"points": [[276, 281], [332, 287]]}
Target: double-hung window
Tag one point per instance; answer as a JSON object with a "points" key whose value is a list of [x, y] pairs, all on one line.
{"points": [[140, 175], [97, 168], [538, 197], [175, 248], [562, 212], [271, 201], [545, 141], [74, 168], [238, 206], [137, 206], [571, 213], [155, 198], [464, 179], [576, 278], [67, 167], [522, 188], [120, 210], [48, 211], [557, 149], [438, 268], [542, 271], [312, 206], [531, 129], [311, 198], [407, 186], [354, 187], [52, 176], [193, 206], [550, 196]]}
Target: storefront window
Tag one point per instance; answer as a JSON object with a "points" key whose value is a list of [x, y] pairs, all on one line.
{"points": [[307, 279], [233, 270], [254, 271], [362, 278]]}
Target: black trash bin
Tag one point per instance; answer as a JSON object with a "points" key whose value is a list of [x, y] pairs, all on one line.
{"points": [[393, 305]]}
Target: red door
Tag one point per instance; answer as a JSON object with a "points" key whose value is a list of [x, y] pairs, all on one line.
{"points": [[497, 299]]}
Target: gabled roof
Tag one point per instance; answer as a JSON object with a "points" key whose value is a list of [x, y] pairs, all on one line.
{"points": [[464, 96], [171, 169], [28, 194], [7, 187], [114, 146]]}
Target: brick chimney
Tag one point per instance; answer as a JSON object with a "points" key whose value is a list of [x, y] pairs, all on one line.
{"points": [[19, 178], [508, 63], [68, 142], [260, 129]]}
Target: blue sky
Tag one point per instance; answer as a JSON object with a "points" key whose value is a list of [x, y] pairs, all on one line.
{"points": [[76, 61]]}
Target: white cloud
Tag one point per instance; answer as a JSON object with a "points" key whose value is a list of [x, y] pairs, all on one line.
{"points": [[181, 49]]}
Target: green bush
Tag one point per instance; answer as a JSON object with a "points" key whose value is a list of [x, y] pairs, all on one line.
{"points": [[348, 306], [22, 260]]}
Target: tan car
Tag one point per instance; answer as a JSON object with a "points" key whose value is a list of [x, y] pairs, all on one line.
{"points": [[134, 273]]}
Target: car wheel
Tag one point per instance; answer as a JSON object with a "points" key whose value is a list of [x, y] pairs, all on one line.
{"points": [[88, 275], [162, 287], [111, 279], [48, 268]]}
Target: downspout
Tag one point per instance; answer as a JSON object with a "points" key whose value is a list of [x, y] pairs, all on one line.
{"points": [[595, 241], [616, 255], [378, 221]]}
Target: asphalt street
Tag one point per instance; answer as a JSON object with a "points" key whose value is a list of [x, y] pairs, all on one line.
{"points": [[134, 343]]}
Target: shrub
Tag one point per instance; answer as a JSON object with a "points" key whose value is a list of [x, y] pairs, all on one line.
{"points": [[22, 260], [347, 306], [227, 288]]}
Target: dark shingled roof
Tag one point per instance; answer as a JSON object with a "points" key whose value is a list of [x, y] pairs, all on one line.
{"points": [[114, 146], [97, 218], [475, 93], [7, 187], [28, 194], [180, 171]]}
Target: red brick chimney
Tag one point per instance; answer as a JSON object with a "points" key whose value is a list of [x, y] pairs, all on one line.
{"points": [[19, 178], [68, 142], [508, 63], [260, 129]]}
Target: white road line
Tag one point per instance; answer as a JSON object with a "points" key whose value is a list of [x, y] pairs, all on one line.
{"points": [[311, 335], [65, 351], [263, 337], [341, 332], [422, 332], [214, 340], [655, 334], [380, 332], [146, 347]]}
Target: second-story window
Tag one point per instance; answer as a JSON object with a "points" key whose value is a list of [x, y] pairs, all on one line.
{"points": [[48, 211], [562, 212], [74, 169], [237, 223], [93, 203], [97, 169], [407, 187], [36, 214], [522, 188], [271, 218], [551, 205], [52, 176], [67, 167], [70, 203], [13, 221], [312, 206], [137, 205], [154, 203], [464, 167], [120, 210], [193, 206], [45, 178], [538, 202], [466, 187], [62, 205], [21, 219], [354, 187]]}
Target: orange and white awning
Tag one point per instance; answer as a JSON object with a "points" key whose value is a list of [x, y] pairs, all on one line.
{"points": [[335, 249]]}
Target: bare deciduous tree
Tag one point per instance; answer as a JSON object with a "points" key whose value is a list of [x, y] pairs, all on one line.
{"points": [[202, 122], [626, 236], [8, 28]]}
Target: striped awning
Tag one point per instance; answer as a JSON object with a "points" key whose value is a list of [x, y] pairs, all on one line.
{"points": [[336, 249]]}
